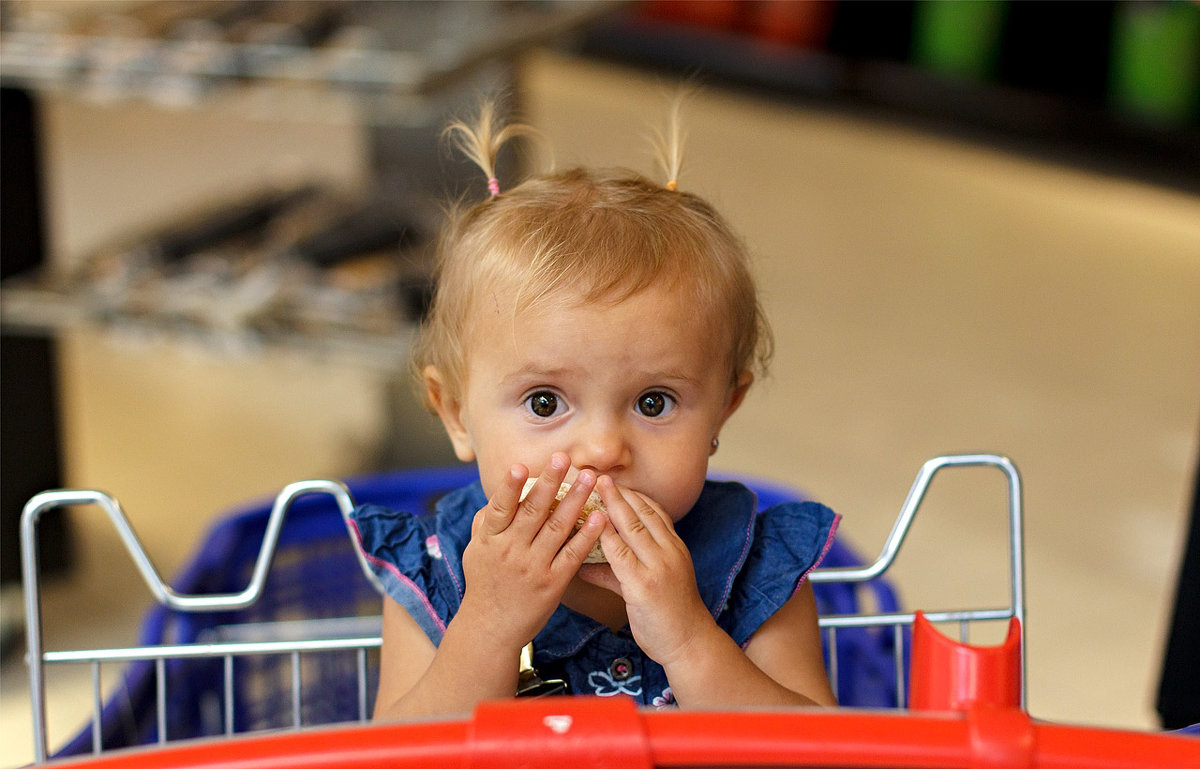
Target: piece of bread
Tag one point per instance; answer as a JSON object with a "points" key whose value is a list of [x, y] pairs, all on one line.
{"points": [[596, 555]]}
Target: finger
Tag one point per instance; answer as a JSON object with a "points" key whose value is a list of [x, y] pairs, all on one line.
{"points": [[502, 507], [655, 518], [559, 525], [617, 552], [632, 515], [572, 555], [535, 505]]}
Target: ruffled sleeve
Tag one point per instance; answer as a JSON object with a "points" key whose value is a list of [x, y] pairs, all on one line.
{"points": [[403, 551], [790, 540]]}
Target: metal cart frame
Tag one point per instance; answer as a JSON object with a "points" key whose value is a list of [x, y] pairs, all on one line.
{"points": [[228, 651]]}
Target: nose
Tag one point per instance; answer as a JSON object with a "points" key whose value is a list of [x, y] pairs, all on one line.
{"points": [[600, 445]]}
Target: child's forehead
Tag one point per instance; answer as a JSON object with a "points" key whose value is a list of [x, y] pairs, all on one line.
{"points": [[599, 283], [654, 311], [511, 302], [652, 333], [531, 301]]}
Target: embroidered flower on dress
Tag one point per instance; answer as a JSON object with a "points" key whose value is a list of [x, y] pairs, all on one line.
{"points": [[433, 548], [603, 685], [667, 700]]}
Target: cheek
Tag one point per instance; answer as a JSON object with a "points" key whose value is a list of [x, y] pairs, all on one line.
{"points": [[682, 482], [498, 450]]}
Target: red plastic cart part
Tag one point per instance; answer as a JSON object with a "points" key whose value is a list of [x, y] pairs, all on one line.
{"points": [[949, 675], [613, 733], [544, 735]]}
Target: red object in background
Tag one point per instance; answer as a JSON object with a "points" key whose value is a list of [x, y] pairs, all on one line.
{"points": [[948, 675], [723, 15], [799, 23]]}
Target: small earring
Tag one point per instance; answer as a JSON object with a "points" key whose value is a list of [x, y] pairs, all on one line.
{"points": [[715, 444]]}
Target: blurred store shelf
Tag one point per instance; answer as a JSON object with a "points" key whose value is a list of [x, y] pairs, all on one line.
{"points": [[175, 52], [300, 266], [294, 265]]}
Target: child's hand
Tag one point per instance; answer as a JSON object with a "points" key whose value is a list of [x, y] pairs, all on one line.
{"points": [[652, 571], [516, 565]]}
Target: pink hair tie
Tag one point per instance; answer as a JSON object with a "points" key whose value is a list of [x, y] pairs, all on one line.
{"points": [[493, 186]]}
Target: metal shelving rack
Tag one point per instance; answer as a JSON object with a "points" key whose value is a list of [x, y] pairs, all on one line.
{"points": [[405, 66]]}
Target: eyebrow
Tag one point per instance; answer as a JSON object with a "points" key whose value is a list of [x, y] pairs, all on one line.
{"points": [[550, 372], [533, 372], [659, 376]]}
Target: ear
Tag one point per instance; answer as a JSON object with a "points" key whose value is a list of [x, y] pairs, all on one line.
{"points": [[737, 394], [450, 410]]}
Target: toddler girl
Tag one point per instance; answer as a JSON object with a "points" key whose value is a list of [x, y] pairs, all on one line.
{"points": [[595, 329]]}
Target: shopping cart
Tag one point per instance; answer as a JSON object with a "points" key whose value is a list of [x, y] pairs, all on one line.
{"points": [[248, 653]]}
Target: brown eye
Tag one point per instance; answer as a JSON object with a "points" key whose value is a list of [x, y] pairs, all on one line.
{"points": [[654, 404], [543, 404]]}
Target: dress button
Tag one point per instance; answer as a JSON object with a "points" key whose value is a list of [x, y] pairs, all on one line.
{"points": [[620, 669]]}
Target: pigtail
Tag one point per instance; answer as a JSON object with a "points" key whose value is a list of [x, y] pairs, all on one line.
{"points": [[481, 143], [668, 144]]}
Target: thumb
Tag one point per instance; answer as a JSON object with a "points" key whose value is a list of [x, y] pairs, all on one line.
{"points": [[600, 575]]}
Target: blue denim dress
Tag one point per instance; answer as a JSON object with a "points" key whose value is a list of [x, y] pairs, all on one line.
{"points": [[747, 565]]}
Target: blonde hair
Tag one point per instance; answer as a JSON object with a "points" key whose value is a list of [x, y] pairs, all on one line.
{"points": [[602, 235]]}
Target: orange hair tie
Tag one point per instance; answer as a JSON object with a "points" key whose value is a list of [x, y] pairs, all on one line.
{"points": [[672, 185]]}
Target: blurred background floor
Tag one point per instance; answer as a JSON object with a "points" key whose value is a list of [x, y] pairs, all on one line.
{"points": [[929, 295]]}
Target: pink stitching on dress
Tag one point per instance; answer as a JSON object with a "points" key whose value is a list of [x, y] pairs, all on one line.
{"points": [[738, 567], [800, 581], [453, 577], [824, 551], [395, 572]]}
